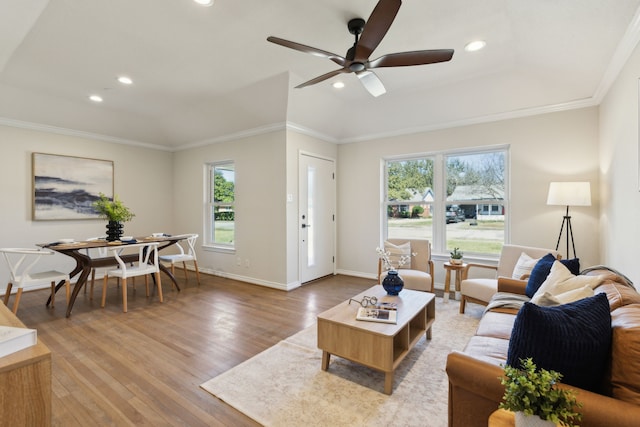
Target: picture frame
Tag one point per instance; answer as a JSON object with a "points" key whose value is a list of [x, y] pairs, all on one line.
{"points": [[65, 187]]}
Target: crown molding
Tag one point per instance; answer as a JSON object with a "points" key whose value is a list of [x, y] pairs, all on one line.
{"points": [[516, 114], [620, 57], [261, 130], [78, 134]]}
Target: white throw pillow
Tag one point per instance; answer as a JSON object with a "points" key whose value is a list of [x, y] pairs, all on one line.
{"points": [[524, 266], [560, 283], [398, 251], [577, 294]]}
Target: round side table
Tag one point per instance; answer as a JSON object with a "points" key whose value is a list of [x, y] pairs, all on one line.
{"points": [[457, 268]]}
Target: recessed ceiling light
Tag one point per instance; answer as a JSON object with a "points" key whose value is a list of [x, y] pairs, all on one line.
{"points": [[204, 2], [475, 45], [95, 98], [125, 80], [338, 85]]}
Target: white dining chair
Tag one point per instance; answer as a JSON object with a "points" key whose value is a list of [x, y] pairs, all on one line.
{"points": [[101, 252], [183, 257], [145, 264], [21, 261]]}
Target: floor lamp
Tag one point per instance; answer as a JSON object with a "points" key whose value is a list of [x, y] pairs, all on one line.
{"points": [[569, 194]]}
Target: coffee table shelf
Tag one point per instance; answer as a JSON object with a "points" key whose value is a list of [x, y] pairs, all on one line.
{"points": [[379, 346]]}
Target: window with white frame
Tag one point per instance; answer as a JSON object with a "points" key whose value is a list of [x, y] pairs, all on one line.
{"points": [[221, 205], [456, 200]]}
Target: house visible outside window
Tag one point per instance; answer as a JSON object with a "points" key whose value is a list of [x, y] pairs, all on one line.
{"points": [[221, 205], [453, 199]]}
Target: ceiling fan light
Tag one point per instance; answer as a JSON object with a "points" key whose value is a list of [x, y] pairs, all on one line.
{"points": [[475, 45], [204, 2]]}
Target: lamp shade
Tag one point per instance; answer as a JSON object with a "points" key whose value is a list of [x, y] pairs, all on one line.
{"points": [[569, 194]]}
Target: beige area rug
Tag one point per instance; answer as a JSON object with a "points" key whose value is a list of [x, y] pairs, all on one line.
{"points": [[285, 386]]}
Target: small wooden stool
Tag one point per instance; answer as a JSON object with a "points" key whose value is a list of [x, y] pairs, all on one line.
{"points": [[457, 268]]}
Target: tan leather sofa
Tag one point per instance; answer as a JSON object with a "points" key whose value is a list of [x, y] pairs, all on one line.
{"points": [[475, 390]]}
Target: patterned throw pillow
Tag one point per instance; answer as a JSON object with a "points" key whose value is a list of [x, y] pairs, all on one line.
{"points": [[573, 339], [398, 251]]}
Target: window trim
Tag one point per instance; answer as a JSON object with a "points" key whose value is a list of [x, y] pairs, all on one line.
{"points": [[209, 208]]}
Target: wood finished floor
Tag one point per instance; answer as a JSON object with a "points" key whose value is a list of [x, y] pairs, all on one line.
{"points": [[144, 367]]}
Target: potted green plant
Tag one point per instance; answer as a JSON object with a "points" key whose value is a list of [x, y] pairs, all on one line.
{"points": [[533, 394], [115, 212], [456, 256]]}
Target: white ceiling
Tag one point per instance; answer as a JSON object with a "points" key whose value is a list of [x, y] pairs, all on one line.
{"points": [[202, 74]]}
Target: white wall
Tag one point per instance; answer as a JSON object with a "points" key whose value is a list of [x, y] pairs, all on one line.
{"points": [[560, 146], [620, 198], [260, 239], [143, 179]]}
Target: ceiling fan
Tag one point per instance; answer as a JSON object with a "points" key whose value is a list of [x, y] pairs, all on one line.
{"points": [[368, 37]]}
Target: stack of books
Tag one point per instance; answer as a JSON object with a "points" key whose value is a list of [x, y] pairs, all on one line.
{"points": [[384, 312]]}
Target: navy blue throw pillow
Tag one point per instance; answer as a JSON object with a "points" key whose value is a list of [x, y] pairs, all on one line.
{"points": [[573, 339], [542, 269]]}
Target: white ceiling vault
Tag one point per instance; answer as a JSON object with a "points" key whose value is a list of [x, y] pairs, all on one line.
{"points": [[202, 74]]}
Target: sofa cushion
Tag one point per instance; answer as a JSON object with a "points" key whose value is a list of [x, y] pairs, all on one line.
{"points": [[573, 339], [561, 287], [489, 349], [625, 354], [524, 266], [496, 324], [396, 252], [543, 267]]}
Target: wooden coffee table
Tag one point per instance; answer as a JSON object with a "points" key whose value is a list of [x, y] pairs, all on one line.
{"points": [[380, 346]]}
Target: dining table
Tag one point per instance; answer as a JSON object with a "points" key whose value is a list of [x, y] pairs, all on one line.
{"points": [[79, 251]]}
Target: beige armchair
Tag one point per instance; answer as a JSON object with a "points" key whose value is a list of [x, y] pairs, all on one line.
{"points": [[420, 274], [480, 290]]}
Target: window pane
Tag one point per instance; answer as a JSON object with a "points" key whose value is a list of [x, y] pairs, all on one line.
{"points": [[224, 182], [475, 196], [222, 187], [224, 224], [410, 197]]}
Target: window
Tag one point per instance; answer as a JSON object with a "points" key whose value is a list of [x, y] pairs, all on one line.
{"points": [[410, 198], [221, 204], [456, 200]]}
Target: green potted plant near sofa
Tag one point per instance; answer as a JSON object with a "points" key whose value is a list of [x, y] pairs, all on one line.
{"points": [[534, 396], [115, 212]]}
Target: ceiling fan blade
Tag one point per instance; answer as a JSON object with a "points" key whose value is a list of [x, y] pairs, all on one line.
{"points": [[308, 49], [376, 27], [371, 83], [323, 77], [417, 57]]}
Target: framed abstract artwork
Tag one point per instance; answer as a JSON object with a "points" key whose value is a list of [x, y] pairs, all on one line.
{"points": [[65, 187]]}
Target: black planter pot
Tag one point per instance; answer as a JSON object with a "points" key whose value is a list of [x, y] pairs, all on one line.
{"points": [[114, 231], [393, 283]]}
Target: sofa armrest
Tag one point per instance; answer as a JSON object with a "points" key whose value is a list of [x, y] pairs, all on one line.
{"points": [[514, 286], [475, 392]]}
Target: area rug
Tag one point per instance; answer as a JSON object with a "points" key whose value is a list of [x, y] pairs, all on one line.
{"points": [[285, 386]]}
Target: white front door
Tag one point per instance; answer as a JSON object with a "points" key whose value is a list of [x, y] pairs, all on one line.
{"points": [[316, 217]]}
